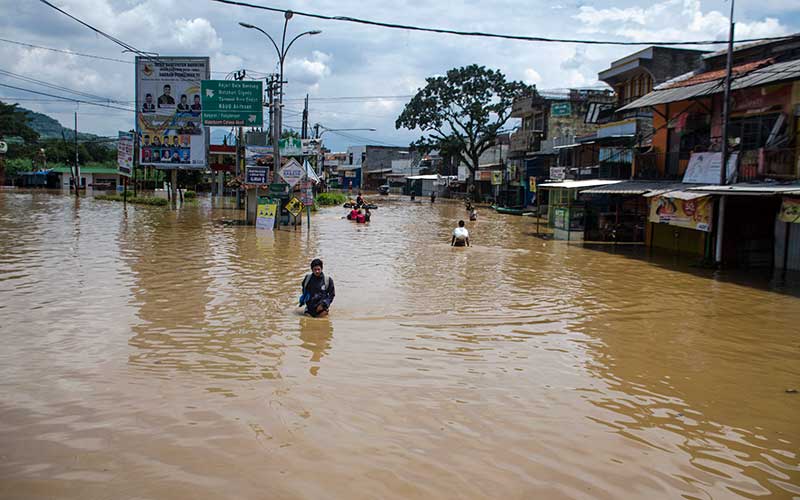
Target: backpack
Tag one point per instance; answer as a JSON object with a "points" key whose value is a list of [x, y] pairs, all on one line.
{"points": [[304, 296]]}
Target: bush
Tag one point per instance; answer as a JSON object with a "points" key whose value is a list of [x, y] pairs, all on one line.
{"points": [[329, 199], [189, 194], [139, 200]]}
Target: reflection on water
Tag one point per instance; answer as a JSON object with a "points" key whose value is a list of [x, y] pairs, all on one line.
{"points": [[160, 354]]}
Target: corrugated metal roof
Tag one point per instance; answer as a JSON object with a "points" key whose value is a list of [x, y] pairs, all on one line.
{"points": [[633, 187], [578, 184], [789, 70], [751, 188]]}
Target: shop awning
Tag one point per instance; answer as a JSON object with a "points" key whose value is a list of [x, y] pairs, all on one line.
{"points": [[633, 187], [588, 183], [785, 71], [679, 194]]}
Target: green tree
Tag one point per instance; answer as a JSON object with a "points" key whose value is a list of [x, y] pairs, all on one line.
{"points": [[14, 123], [460, 113]]}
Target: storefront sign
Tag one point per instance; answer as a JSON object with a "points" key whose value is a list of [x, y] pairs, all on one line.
{"points": [[558, 173], [693, 214], [256, 175], [790, 210], [292, 172], [125, 153], [291, 147], [294, 206], [349, 173], [560, 109], [265, 217], [497, 177], [168, 111], [704, 168]]}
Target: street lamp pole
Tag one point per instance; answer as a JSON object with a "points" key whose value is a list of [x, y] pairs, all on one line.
{"points": [[282, 51], [321, 163]]}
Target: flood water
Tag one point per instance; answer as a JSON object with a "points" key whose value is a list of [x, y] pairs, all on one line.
{"points": [[159, 354]]}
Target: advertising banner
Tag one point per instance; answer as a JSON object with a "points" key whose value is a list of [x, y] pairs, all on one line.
{"points": [[125, 153], [558, 173], [532, 181], [257, 155], [291, 147], [790, 210], [306, 192], [265, 216], [497, 177], [169, 111], [693, 214], [704, 168]]}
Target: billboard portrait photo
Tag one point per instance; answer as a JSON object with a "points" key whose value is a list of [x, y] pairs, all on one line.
{"points": [[168, 111]]}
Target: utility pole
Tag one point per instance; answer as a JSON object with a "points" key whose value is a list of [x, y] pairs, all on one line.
{"points": [[239, 75], [77, 168], [304, 134], [723, 174]]}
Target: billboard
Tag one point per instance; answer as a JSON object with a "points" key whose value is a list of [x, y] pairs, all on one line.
{"points": [[694, 214], [125, 153], [169, 111]]}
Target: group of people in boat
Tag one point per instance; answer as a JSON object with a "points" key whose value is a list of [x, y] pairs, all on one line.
{"points": [[359, 212]]}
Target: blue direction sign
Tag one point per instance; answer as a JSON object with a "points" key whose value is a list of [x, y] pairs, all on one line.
{"points": [[232, 103], [256, 175]]}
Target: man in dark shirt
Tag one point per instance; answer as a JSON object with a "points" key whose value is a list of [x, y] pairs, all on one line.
{"points": [[183, 105], [318, 291], [165, 99]]}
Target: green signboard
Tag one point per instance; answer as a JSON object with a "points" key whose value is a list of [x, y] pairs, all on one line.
{"points": [[560, 109], [232, 103]]}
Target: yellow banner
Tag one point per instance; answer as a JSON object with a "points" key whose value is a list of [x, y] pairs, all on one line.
{"points": [[790, 210], [265, 216], [532, 181], [497, 177], [694, 214]]}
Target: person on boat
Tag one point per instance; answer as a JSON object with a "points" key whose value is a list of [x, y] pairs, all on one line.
{"points": [[318, 291], [473, 215], [460, 236], [367, 215], [360, 200], [360, 218]]}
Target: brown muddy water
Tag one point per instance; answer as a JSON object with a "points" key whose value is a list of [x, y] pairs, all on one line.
{"points": [[158, 354]]}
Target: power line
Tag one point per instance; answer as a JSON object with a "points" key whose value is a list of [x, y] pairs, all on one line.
{"points": [[56, 87], [479, 33], [68, 98], [65, 51]]}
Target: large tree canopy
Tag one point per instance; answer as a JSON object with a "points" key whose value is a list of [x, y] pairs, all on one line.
{"points": [[461, 113], [14, 123]]}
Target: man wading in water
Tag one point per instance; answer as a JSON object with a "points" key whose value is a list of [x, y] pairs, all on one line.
{"points": [[318, 291], [460, 236]]}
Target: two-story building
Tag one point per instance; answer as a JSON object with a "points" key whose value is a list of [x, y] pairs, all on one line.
{"points": [[369, 166]]}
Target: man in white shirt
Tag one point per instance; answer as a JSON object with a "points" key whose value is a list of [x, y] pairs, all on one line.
{"points": [[460, 236]]}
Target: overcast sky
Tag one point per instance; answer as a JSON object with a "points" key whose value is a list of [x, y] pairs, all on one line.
{"points": [[348, 59]]}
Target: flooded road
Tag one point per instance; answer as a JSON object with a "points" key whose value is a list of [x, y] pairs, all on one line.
{"points": [[159, 355]]}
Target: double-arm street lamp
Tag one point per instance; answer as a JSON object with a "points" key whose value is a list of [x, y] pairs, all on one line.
{"points": [[321, 163], [282, 51]]}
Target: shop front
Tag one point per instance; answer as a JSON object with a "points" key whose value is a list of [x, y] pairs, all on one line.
{"points": [[567, 212]]}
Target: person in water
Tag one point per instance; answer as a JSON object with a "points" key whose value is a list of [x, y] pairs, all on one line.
{"points": [[460, 236], [318, 291], [433, 196], [473, 215], [353, 214], [367, 215], [360, 218]]}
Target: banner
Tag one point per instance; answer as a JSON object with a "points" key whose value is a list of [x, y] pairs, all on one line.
{"points": [[265, 217], [532, 181], [694, 214], [704, 168], [790, 210], [168, 111], [125, 153], [497, 177]]}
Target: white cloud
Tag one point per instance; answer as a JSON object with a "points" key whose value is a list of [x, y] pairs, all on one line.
{"points": [[532, 77]]}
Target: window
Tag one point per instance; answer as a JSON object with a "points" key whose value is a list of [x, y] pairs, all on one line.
{"points": [[752, 131], [538, 121], [527, 123]]}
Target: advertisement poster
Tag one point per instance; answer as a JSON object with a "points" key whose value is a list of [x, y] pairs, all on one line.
{"points": [[169, 112], [265, 216], [532, 181], [790, 210], [125, 153], [704, 168], [497, 177], [694, 214]]}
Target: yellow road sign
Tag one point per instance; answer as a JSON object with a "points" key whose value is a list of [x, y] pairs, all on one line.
{"points": [[294, 206]]}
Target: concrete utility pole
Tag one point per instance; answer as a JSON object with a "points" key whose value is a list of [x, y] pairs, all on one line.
{"points": [[77, 167], [723, 168], [304, 130]]}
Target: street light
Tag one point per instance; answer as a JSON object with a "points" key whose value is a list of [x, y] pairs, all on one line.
{"points": [[321, 163], [282, 51]]}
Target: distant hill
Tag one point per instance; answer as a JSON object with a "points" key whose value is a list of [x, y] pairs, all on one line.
{"points": [[49, 128]]}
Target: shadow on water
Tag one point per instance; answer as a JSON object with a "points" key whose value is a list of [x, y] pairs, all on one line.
{"points": [[778, 281]]}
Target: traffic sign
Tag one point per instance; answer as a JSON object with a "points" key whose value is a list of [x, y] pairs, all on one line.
{"points": [[292, 172], [232, 103], [256, 175], [294, 206], [307, 192]]}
